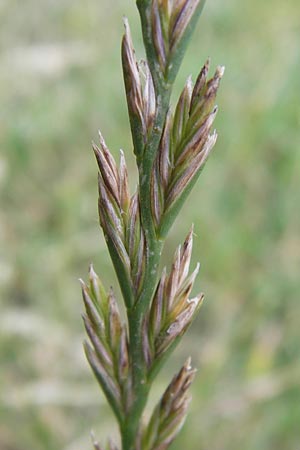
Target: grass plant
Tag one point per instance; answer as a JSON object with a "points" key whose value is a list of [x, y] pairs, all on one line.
{"points": [[171, 149]]}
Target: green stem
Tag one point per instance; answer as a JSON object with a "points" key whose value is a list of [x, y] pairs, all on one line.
{"points": [[141, 385], [154, 246]]}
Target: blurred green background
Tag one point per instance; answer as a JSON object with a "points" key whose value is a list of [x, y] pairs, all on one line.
{"points": [[60, 80]]}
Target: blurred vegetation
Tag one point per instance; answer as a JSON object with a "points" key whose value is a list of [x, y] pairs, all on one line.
{"points": [[60, 80]]}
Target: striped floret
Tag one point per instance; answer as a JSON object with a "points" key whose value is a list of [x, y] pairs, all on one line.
{"points": [[171, 24], [140, 93], [107, 351], [172, 311], [170, 413], [120, 220], [184, 147]]}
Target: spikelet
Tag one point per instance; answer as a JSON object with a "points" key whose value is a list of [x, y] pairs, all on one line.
{"points": [[139, 92], [172, 310], [107, 351], [169, 415], [172, 22], [184, 148], [120, 220]]}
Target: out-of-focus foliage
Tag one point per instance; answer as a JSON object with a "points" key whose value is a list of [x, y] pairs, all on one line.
{"points": [[60, 80]]}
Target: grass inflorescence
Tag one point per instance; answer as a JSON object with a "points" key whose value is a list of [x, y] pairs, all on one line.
{"points": [[171, 149]]}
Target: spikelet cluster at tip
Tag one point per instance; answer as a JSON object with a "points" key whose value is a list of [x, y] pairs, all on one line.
{"points": [[170, 20]]}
